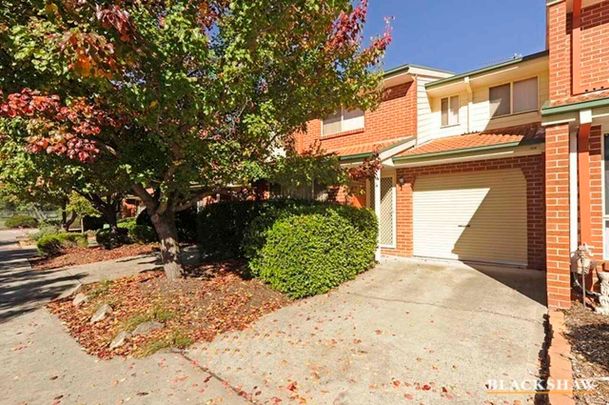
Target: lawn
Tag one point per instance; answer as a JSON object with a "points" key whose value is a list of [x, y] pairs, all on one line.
{"points": [[216, 298]]}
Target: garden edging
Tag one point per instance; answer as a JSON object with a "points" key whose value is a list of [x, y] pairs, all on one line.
{"points": [[560, 368]]}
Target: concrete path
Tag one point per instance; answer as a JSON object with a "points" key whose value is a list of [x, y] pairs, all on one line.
{"points": [[405, 331], [42, 364]]}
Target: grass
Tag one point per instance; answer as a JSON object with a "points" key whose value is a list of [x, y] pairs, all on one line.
{"points": [[178, 339], [101, 289], [158, 313]]}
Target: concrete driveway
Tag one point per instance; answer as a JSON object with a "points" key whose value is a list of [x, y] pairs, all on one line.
{"points": [[405, 331]]}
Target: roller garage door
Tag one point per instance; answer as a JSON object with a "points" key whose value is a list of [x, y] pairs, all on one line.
{"points": [[477, 216]]}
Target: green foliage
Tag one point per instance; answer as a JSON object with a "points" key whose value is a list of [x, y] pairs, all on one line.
{"points": [[54, 243], [80, 205], [21, 221], [297, 172], [138, 233], [221, 227], [311, 253], [194, 92], [112, 238], [46, 228], [301, 248]]}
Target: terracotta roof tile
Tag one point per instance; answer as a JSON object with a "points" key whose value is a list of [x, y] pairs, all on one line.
{"points": [[369, 147], [524, 134]]}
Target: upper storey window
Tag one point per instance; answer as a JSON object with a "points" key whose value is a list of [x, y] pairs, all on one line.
{"points": [[450, 111], [513, 98], [343, 121]]}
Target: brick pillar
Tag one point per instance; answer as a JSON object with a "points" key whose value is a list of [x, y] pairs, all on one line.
{"points": [[557, 217]]}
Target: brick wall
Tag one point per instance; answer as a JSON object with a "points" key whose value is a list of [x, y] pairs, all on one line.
{"points": [[533, 170], [557, 216], [594, 55], [592, 58], [395, 117], [559, 43]]}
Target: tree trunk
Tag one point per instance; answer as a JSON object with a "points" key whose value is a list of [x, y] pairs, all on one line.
{"points": [[67, 222], [165, 227], [109, 215]]}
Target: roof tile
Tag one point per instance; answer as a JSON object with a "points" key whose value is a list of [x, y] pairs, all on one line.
{"points": [[524, 134]]}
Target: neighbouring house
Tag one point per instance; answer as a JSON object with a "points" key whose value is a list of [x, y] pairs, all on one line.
{"points": [[504, 164]]}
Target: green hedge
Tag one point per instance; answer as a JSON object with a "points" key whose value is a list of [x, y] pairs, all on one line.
{"points": [[54, 243], [21, 221], [111, 240], [299, 247], [309, 253], [138, 233], [221, 227]]}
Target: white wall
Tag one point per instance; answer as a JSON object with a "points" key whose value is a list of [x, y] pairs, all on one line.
{"points": [[474, 114]]}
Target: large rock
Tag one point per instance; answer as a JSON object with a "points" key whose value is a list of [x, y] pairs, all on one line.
{"points": [[147, 327], [119, 340], [79, 299], [101, 313]]}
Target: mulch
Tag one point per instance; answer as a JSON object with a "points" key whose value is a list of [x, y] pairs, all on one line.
{"points": [[588, 334], [77, 256], [216, 298]]}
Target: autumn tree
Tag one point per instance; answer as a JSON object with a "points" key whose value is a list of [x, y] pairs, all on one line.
{"points": [[184, 96]]}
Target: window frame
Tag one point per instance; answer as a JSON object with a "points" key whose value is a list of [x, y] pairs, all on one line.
{"points": [[511, 84], [342, 119], [448, 101]]}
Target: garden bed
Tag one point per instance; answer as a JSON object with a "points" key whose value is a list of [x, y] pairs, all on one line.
{"points": [[81, 255], [215, 299], [588, 334]]}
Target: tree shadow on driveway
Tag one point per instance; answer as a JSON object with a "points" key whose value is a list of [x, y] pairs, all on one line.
{"points": [[22, 289]]}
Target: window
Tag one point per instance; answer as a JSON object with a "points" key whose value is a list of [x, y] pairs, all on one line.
{"points": [[500, 99], [343, 121], [525, 95], [450, 111], [514, 97]]}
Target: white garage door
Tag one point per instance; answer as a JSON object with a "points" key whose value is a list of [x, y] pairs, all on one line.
{"points": [[480, 216]]}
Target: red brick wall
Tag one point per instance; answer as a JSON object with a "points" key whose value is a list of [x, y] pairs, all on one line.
{"points": [[594, 56], [395, 117], [594, 49], [559, 44], [557, 216], [533, 170]]}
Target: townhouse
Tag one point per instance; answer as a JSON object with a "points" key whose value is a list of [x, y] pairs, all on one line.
{"points": [[504, 164]]}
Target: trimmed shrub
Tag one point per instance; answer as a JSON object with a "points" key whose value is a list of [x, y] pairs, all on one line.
{"points": [[54, 243], [309, 253], [138, 233], [225, 229], [111, 240], [21, 221], [221, 227]]}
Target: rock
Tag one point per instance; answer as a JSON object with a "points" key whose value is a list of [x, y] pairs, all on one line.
{"points": [[119, 340], [147, 327], [101, 313], [79, 299]]}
